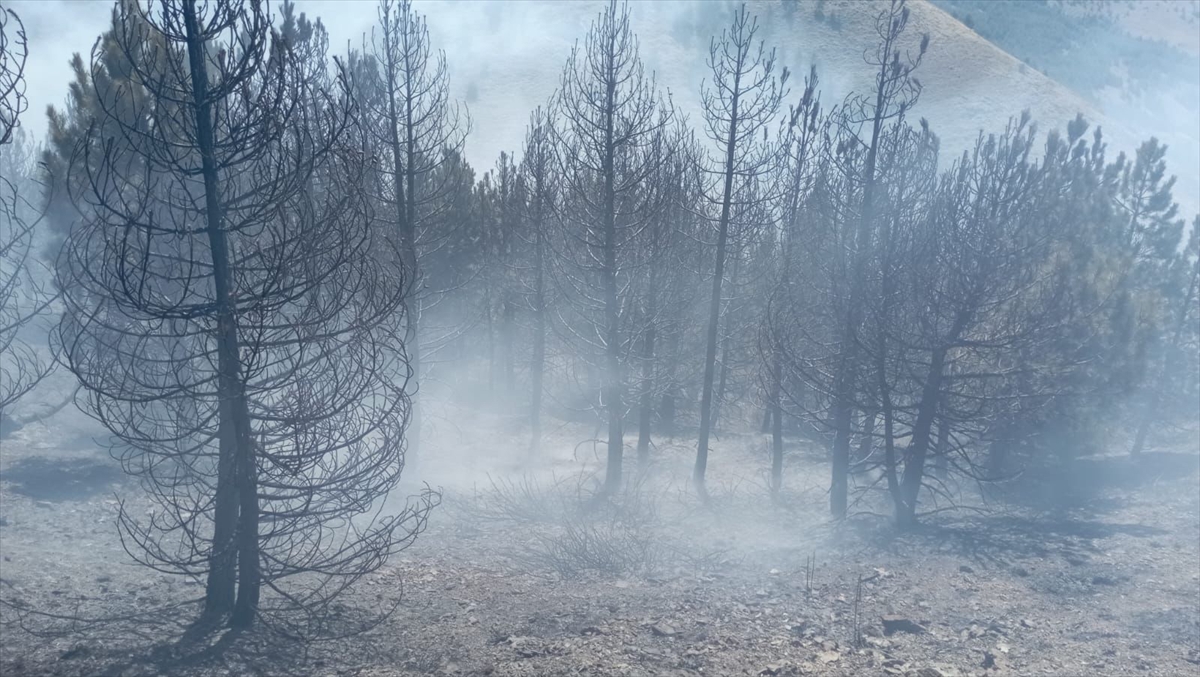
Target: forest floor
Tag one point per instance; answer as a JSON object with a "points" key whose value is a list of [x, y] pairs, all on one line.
{"points": [[518, 574]]}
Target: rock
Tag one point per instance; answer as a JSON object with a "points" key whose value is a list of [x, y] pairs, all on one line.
{"points": [[894, 624], [877, 642], [774, 669], [828, 657], [991, 661], [1103, 580], [663, 630], [1021, 571], [798, 628], [963, 568], [524, 646]]}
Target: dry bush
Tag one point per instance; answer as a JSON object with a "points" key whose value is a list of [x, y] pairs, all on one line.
{"points": [[584, 545], [572, 533], [523, 500]]}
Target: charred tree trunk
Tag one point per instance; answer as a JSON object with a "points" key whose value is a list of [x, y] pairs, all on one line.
{"points": [[491, 341], [914, 465], [235, 536], [941, 462], [510, 377], [726, 342], [714, 304], [612, 335], [646, 407], [865, 440], [537, 368], [775, 414], [666, 413]]}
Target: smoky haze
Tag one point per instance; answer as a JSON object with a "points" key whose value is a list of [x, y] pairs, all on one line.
{"points": [[497, 337], [971, 84]]}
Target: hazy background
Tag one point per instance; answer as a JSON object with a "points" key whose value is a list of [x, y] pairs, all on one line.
{"points": [[1131, 67]]}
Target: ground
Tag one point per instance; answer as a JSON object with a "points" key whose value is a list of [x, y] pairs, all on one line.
{"points": [[517, 575]]}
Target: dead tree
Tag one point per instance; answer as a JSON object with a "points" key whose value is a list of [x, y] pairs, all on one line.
{"points": [[24, 295], [677, 188], [907, 176], [229, 311], [537, 171], [606, 114], [741, 103], [864, 123], [410, 113], [797, 173]]}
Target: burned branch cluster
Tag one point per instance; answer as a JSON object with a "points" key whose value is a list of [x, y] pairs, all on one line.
{"points": [[25, 294]]}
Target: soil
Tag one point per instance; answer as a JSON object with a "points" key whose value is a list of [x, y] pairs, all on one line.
{"points": [[1099, 575]]}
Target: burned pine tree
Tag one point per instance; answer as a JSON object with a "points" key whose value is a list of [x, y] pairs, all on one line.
{"points": [[863, 125], [230, 313], [498, 200], [24, 293], [907, 176], [607, 112], [739, 106], [674, 199], [537, 171], [797, 174], [419, 131]]}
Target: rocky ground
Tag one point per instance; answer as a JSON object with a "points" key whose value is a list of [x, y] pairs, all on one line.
{"points": [[517, 575]]}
